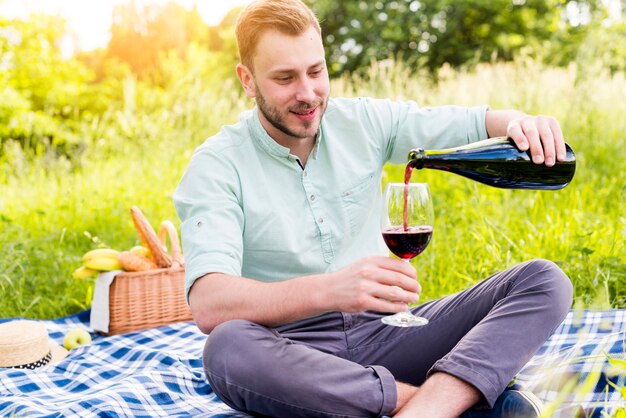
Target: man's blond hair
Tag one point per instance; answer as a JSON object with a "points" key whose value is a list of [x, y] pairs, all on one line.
{"points": [[290, 17]]}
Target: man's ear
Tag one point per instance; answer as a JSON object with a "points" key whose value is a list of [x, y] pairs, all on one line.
{"points": [[247, 80]]}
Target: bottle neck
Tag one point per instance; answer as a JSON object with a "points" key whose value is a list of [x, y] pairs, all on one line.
{"points": [[416, 158]]}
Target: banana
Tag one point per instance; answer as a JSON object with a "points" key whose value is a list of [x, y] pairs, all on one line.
{"points": [[103, 263], [83, 273], [101, 253]]}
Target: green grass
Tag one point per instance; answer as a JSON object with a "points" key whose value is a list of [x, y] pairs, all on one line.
{"points": [[51, 212]]}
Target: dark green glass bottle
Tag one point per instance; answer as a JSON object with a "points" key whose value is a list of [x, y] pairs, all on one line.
{"points": [[497, 162]]}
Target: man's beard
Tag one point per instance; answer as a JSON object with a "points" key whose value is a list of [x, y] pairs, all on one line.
{"points": [[275, 119]]}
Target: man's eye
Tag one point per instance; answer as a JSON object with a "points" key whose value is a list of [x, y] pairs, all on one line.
{"points": [[283, 79]]}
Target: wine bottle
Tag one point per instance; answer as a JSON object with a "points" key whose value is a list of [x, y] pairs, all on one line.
{"points": [[497, 162]]}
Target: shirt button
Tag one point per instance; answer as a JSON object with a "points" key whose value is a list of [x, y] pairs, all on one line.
{"points": [[312, 197], [305, 173], [321, 220]]}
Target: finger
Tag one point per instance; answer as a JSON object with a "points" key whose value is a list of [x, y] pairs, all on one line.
{"points": [[397, 294], [383, 305], [397, 266], [559, 140], [388, 271], [373, 303], [547, 141], [517, 135], [398, 280], [529, 126]]}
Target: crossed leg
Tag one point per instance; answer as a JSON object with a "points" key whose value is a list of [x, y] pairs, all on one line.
{"points": [[340, 365]]}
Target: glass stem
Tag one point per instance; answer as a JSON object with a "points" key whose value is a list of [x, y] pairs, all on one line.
{"points": [[408, 308]]}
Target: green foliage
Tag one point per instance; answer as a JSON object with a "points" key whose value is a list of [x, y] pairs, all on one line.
{"points": [[84, 138], [55, 108], [481, 229], [50, 214], [143, 34], [428, 34], [431, 33], [43, 96], [604, 47]]}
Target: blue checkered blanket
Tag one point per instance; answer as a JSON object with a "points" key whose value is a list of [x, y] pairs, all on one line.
{"points": [[158, 372]]}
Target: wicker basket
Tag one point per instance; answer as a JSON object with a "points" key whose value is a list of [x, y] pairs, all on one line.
{"points": [[147, 299], [152, 298]]}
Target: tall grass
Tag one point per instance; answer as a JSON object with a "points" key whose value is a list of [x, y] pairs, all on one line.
{"points": [[480, 230], [52, 212]]}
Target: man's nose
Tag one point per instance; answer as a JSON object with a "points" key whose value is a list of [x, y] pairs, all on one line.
{"points": [[305, 90]]}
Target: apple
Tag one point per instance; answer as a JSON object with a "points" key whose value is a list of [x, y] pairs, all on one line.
{"points": [[75, 338]]}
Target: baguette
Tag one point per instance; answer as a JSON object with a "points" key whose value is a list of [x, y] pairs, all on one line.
{"points": [[135, 262], [149, 239]]}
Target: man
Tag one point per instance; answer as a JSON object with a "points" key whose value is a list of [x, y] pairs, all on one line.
{"points": [[285, 264]]}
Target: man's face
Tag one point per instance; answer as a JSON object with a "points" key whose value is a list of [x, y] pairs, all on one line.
{"points": [[290, 84]]}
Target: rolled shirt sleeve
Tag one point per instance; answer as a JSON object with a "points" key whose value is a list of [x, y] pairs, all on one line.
{"points": [[211, 215], [436, 128], [404, 125]]}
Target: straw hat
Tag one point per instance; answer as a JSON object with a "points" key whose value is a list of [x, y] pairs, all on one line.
{"points": [[26, 345]]}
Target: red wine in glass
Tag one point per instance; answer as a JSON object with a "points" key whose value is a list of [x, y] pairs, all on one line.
{"points": [[408, 243], [407, 227]]}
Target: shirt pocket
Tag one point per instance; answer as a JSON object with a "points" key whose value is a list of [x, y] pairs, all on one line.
{"points": [[358, 202]]}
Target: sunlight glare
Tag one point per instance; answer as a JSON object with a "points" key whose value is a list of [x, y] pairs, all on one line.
{"points": [[90, 21]]}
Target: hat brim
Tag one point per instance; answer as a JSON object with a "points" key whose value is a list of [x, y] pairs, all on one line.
{"points": [[58, 353]]}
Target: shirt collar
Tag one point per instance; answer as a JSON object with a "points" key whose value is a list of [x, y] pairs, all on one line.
{"points": [[268, 144], [262, 137]]}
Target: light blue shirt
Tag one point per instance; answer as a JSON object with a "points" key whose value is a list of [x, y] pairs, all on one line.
{"points": [[249, 209]]}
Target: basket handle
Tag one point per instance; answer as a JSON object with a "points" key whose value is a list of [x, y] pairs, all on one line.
{"points": [[166, 229], [149, 238]]}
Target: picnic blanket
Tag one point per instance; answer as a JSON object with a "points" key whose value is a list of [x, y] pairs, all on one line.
{"points": [[158, 372]]}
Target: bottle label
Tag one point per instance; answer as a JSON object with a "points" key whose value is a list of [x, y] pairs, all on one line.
{"points": [[479, 144]]}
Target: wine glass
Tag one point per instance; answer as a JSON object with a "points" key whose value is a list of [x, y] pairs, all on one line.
{"points": [[407, 226]]}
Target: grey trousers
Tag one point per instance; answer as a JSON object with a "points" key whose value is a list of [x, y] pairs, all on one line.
{"points": [[346, 365]]}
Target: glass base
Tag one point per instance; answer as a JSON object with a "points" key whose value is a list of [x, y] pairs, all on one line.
{"points": [[404, 320]]}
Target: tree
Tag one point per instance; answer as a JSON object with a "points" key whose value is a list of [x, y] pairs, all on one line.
{"points": [[42, 94], [142, 32], [429, 33]]}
